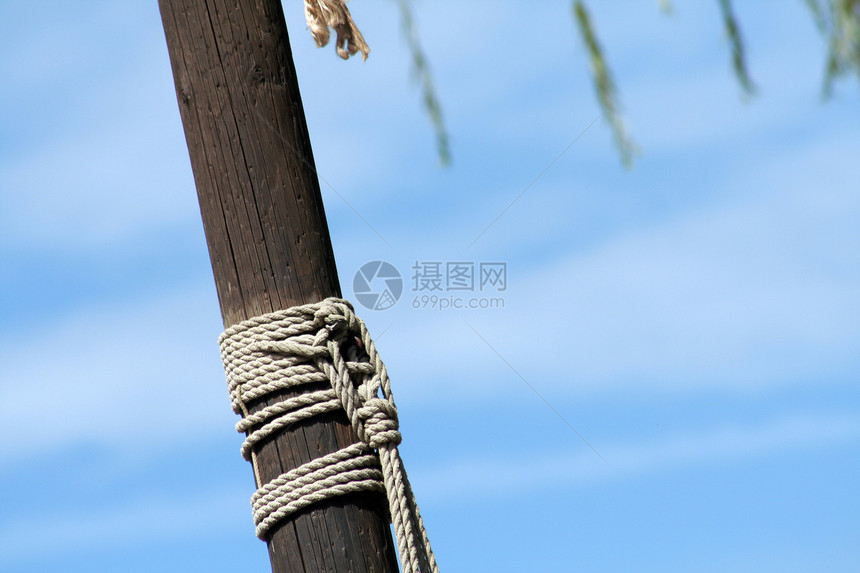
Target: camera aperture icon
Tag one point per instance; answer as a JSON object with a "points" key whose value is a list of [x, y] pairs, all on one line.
{"points": [[377, 285]]}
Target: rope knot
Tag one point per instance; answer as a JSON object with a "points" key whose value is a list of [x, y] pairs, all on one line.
{"points": [[308, 345], [338, 317], [379, 423]]}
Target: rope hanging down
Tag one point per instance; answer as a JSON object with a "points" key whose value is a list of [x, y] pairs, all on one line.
{"points": [[324, 14], [310, 344]]}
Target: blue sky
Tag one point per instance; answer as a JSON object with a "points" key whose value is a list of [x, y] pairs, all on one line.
{"points": [[696, 318]]}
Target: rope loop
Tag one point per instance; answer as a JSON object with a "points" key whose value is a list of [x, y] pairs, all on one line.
{"points": [[309, 344]]}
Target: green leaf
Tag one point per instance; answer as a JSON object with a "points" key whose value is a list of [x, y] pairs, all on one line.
{"points": [[739, 65], [421, 71], [604, 85]]}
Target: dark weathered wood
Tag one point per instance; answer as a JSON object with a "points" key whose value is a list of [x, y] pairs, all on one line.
{"points": [[267, 236]]}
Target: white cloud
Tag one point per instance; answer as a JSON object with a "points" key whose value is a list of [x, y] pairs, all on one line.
{"points": [[140, 373], [110, 160], [482, 477], [196, 514], [754, 292]]}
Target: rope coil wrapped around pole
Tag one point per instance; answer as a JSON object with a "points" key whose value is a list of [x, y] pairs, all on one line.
{"points": [[309, 344]]}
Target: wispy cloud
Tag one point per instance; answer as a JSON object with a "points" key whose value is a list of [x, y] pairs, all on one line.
{"points": [[491, 477], [129, 373], [145, 520], [757, 290]]}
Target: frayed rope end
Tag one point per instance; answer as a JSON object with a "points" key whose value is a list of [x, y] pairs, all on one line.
{"points": [[324, 14]]}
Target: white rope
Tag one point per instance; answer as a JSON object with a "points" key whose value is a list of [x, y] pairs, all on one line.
{"points": [[309, 344], [324, 14], [352, 469]]}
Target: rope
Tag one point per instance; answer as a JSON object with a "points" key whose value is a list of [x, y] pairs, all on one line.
{"points": [[309, 344], [324, 14]]}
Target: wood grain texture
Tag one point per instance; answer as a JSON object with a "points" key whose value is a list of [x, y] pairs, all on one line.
{"points": [[268, 239]]}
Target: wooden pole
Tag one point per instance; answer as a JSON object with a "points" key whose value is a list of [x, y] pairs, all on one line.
{"points": [[268, 239]]}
